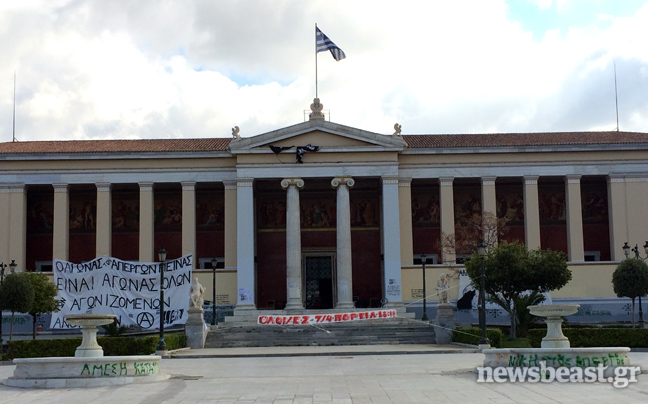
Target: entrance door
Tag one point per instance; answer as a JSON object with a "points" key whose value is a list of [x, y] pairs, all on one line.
{"points": [[318, 281]]}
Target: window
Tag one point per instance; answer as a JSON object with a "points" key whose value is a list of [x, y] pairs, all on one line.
{"points": [[44, 266], [430, 259], [591, 256], [205, 263], [462, 258]]}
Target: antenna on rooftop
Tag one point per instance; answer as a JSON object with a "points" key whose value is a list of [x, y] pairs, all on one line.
{"points": [[14, 112], [616, 98]]}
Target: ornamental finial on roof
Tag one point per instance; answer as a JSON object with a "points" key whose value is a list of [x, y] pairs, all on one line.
{"points": [[397, 130], [235, 133], [316, 107]]}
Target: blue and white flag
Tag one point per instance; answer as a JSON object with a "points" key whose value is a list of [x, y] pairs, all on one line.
{"points": [[324, 44]]}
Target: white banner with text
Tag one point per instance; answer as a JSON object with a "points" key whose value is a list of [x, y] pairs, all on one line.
{"points": [[308, 319], [128, 289]]}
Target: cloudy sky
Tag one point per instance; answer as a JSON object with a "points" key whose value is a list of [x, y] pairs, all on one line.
{"points": [[122, 69]]}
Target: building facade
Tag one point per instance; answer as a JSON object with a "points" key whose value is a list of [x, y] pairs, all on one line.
{"points": [[322, 216]]}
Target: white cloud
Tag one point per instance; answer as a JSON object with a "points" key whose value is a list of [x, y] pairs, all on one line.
{"points": [[171, 68]]}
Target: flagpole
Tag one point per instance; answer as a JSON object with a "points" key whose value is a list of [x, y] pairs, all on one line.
{"points": [[616, 98], [315, 60]]}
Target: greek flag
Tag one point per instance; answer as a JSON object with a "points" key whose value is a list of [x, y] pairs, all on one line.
{"points": [[324, 44]]}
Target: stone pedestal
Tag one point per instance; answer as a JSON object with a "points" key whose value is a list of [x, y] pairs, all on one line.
{"points": [[89, 347], [195, 329], [445, 323]]}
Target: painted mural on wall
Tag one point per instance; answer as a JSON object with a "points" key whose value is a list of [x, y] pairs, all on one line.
{"points": [[40, 215], [426, 210], [595, 204], [167, 212], [318, 213], [125, 215], [210, 210], [510, 205], [551, 199], [467, 203], [83, 213]]}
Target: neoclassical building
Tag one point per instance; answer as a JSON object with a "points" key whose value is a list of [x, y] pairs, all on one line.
{"points": [[320, 215]]}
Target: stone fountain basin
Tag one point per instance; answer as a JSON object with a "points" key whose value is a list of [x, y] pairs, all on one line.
{"points": [[90, 319], [553, 310]]}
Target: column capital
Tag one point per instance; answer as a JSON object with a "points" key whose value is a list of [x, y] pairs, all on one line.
{"points": [[61, 187], [229, 184], [289, 182], [188, 185], [244, 182], [619, 178], [446, 181], [146, 186], [488, 181], [103, 186], [530, 179], [573, 179], [337, 181], [390, 180], [404, 182]]}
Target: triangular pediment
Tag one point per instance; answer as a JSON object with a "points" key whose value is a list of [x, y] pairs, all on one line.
{"points": [[328, 135]]}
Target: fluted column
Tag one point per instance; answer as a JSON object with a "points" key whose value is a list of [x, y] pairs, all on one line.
{"points": [[147, 223], [405, 220], [245, 244], [617, 215], [575, 244], [189, 219], [230, 224], [531, 213], [489, 206], [61, 230], [293, 244], [104, 219], [446, 196], [391, 239], [18, 226], [344, 271]]}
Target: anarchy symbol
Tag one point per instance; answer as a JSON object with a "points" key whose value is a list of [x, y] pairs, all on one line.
{"points": [[145, 320]]}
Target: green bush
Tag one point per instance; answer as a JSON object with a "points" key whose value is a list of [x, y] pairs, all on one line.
{"points": [[112, 346], [597, 337], [472, 336]]}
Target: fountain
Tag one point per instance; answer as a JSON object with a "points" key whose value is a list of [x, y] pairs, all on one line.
{"points": [[89, 367], [555, 350]]}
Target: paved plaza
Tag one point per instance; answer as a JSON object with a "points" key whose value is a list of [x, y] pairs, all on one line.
{"points": [[342, 375]]}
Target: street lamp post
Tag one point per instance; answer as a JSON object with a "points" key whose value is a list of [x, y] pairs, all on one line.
{"points": [[161, 348], [481, 250], [626, 251], [214, 263], [2, 273], [425, 317]]}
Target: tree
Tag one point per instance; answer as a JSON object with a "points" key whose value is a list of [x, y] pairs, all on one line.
{"points": [[17, 295], [512, 272], [44, 297], [630, 279]]}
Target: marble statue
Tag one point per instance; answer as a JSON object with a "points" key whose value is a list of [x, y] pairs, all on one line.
{"points": [[442, 289], [196, 292], [235, 133], [397, 130]]}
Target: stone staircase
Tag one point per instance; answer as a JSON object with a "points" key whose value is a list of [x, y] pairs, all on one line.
{"points": [[385, 331]]}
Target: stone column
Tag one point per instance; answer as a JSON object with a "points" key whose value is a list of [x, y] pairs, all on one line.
{"points": [[617, 215], [189, 219], [391, 239], [245, 251], [575, 246], [344, 271], [147, 224], [293, 244], [446, 196], [61, 231], [489, 206], [531, 213], [405, 220], [230, 224], [5, 232], [18, 226], [104, 219]]}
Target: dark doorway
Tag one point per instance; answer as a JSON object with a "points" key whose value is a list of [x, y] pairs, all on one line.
{"points": [[318, 281]]}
